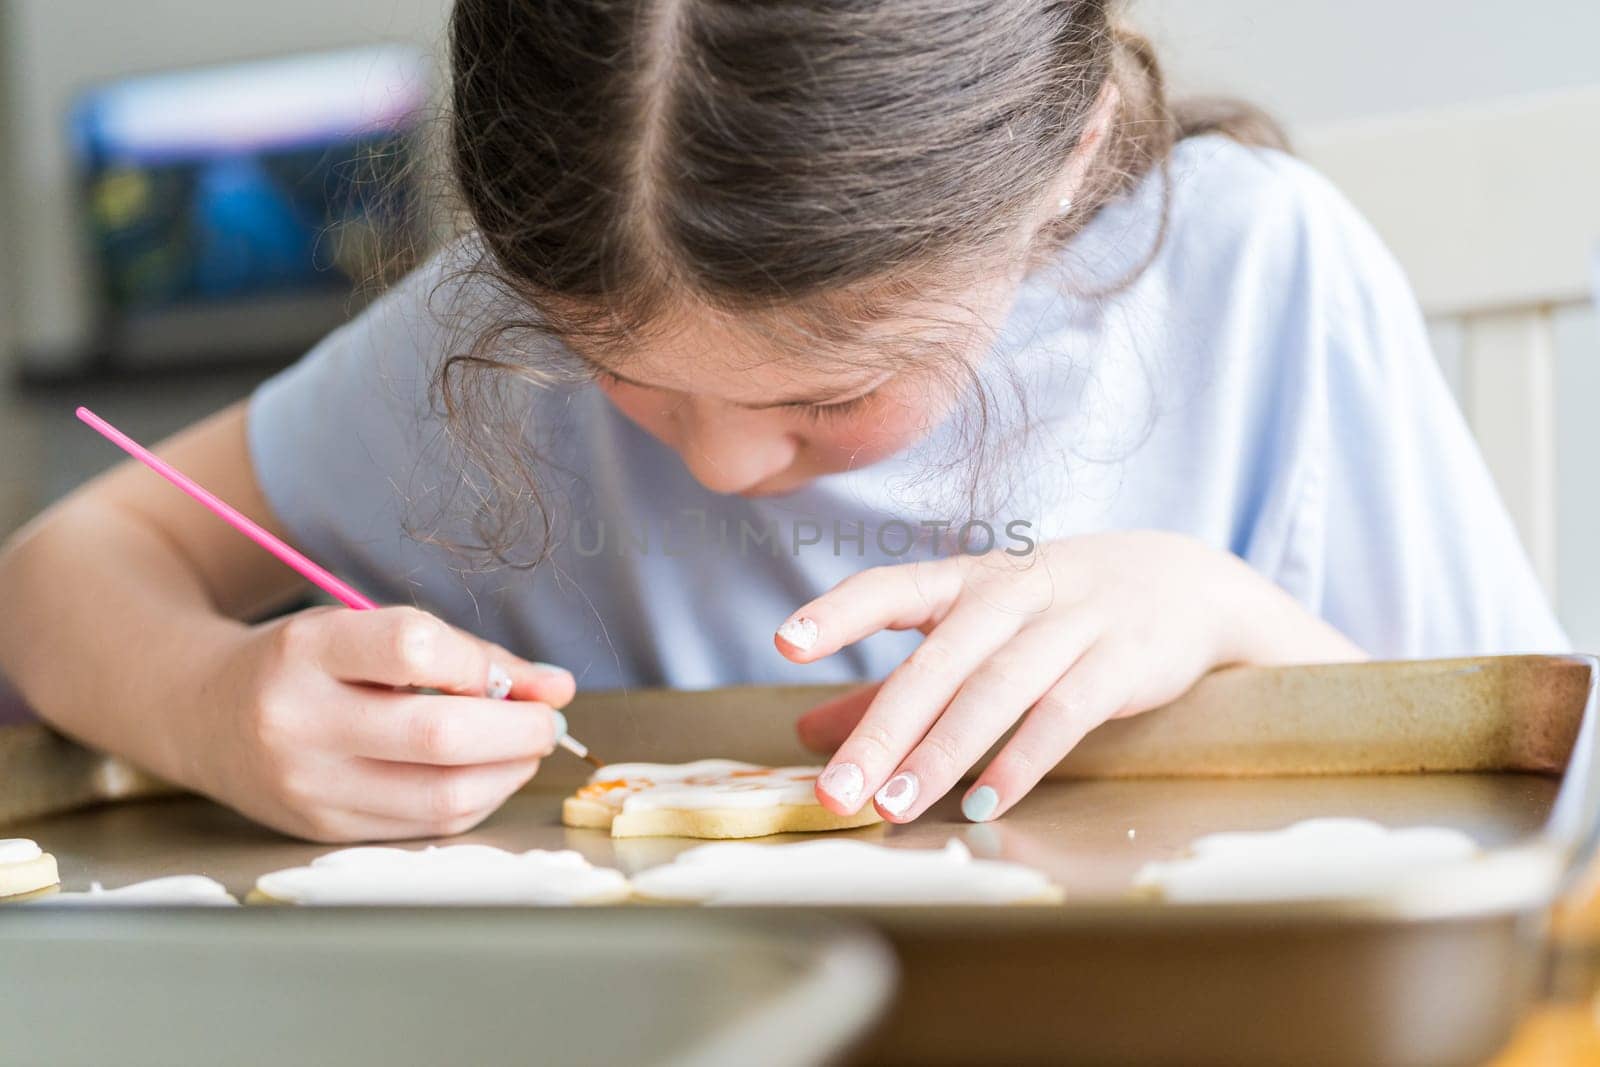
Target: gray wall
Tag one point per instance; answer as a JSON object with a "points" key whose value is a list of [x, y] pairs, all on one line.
{"points": [[1316, 61]]}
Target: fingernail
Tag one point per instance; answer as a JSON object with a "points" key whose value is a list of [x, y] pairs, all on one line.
{"points": [[843, 782], [548, 667], [979, 804], [499, 686], [560, 721], [898, 794], [800, 632]]}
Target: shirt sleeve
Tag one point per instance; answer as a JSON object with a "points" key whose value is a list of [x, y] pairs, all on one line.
{"points": [[1419, 556]]}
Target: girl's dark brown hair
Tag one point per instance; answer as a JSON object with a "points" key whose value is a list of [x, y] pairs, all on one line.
{"points": [[804, 165]]}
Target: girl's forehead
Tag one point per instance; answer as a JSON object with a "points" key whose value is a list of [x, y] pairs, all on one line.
{"points": [[802, 346], [742, 373]]}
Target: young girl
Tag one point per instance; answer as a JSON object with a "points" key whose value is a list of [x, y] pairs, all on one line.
{"points": [[925, 329]]}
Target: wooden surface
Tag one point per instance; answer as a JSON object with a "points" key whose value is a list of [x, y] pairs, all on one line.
{"points": [[1557, 1035], [1565, 1030]]}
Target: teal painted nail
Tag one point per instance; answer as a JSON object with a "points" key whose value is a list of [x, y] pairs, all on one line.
{"points": [[541, 666], [979, 804], [561, 724]]}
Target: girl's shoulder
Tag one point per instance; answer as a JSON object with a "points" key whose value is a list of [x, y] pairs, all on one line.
{"points": [[1235, 239], [1217, 178], [1267, 213], [1220, 212]]}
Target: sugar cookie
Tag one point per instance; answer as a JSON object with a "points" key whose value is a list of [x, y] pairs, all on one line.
{"points": [[453, 874], [1314, 859], [25, 868], [186, 890], [841, 872], [712, 798]]}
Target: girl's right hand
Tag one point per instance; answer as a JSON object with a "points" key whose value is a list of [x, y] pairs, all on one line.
{"points": [[311, 727]]}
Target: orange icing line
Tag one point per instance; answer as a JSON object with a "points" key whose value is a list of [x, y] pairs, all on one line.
{"points": [[600, 789]]}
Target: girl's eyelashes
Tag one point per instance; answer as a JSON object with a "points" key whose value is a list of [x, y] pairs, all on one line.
{"points": [[814, 412], [826, 412]]}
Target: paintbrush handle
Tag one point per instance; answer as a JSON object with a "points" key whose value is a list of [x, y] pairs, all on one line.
{"points": [[323, 579]]}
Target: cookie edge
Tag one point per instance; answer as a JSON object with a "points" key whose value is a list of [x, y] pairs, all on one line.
{"points": [[15, 880]]}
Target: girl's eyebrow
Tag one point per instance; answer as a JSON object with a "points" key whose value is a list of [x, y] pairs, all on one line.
{"points": [[811, 401]]}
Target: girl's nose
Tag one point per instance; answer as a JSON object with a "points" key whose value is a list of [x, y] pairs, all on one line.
{"points": [[732, 450]]}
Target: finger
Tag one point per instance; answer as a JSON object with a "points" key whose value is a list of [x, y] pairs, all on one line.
{"points": [[338, 826], [443, 731], [545, 683], [1096, 688], [410, 648], [824, 727], [992, 698], [350, 827], [434, 800], [906, 705], [906, 596], [308, 808]]}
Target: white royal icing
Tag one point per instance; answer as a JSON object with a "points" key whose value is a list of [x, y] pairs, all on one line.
{"points": [[191, 890], [18, 850], [707, 783], [839, 872], [1314, 859], [453, 874]]}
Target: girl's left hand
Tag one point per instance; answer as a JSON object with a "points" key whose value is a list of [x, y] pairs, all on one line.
{"points": [[1078, 632]]}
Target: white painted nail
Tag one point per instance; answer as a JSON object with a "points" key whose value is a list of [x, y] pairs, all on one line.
{"points": [[843, 782], [499, 686], [898, 793], [800, 632]]}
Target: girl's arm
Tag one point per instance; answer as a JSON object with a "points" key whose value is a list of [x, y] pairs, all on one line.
{"points": [[113, 593], [123, 628]]}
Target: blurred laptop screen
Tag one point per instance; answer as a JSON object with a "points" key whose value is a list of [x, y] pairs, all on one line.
{"points": [[264, 179]]}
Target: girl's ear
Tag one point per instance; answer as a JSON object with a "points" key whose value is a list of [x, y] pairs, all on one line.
{"points": [[1101, 116]]}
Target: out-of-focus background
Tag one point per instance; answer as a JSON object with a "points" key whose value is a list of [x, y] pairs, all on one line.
{"points": [[187, 193]]}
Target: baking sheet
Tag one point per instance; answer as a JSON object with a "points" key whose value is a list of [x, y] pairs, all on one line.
{"points": [[1501, 748], [1246, 749], [1076, 831], [1115, 980]]}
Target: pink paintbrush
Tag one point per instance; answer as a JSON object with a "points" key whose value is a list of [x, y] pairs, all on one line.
{"points": [[318, 576]]}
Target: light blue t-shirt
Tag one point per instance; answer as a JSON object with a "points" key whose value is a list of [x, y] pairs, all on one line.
{"points": [[1264, 385]]}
